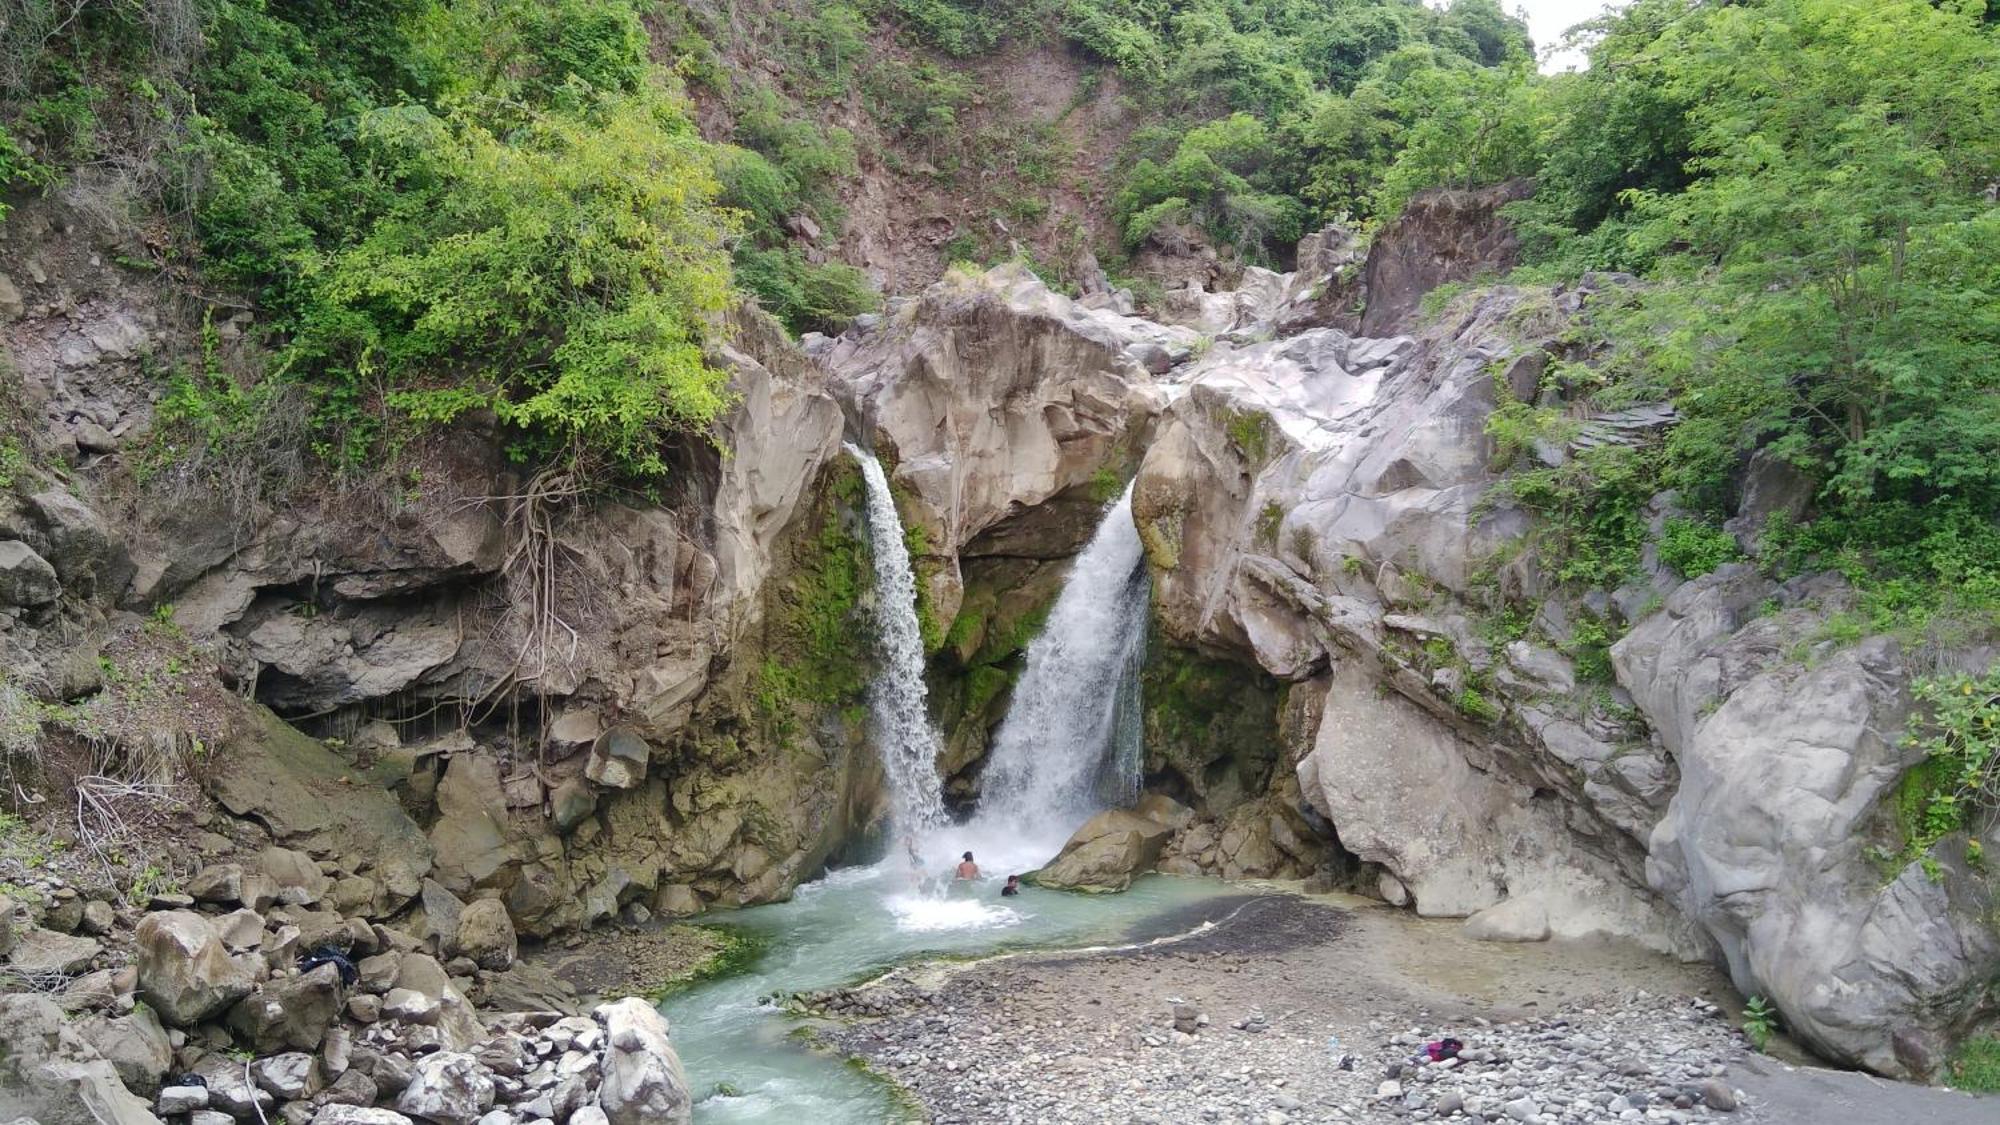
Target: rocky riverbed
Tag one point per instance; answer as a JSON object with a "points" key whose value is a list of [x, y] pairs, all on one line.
{"points": [[1295, 1010]]}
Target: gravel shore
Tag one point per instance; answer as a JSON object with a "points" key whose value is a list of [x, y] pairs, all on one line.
{"points": [[1295, 1010]]}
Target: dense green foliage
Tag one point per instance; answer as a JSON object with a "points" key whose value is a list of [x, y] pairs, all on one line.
{"points": [[495, 205], [1958, 729], [1806, 186]]}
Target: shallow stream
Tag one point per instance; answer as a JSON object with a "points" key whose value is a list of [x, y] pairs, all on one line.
{"points": [[741, 1060]]}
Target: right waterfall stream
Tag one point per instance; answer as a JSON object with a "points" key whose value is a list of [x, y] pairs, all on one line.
{"points": [[1071, 744]]}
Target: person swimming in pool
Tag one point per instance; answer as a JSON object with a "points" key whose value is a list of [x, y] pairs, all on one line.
{"points": [[968, 869], [1012, 888]]}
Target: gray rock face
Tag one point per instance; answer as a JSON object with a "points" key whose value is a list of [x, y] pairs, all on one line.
{"points": [[643, 1080], [995, 403], [1784, 769], [185, 971], [1314, 506]]}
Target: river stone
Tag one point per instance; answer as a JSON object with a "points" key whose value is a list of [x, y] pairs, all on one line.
{"points": [[185, 972], [449, 1088], [1106, 853], [643, 1080]]}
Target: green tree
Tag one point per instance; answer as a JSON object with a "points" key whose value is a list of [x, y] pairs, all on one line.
{"points": [[564, 277]]}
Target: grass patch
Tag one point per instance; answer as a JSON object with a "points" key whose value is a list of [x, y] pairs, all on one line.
{"points": [[738, 952], [1975, 1065]]}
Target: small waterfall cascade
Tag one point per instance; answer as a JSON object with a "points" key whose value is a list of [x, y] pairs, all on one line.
{"points": [[1070, 744], [898, 712]]}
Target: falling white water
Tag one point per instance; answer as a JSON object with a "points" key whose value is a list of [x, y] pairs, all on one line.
{"points": [[898, 715], [1070, 743]]}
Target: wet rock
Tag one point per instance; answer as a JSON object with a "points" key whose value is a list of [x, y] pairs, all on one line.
{"points": [[643, 1080], [185, 972], [1106, 853]]}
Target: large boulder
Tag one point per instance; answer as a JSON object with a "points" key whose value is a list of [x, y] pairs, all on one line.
{"points": [[643, 1080], [136, 1046], [50, 1073], [290, 1013], [185, 971], [470, 833], [26, 579], [313, 801], [486, 934], [448, 1088], [1106, 853]]}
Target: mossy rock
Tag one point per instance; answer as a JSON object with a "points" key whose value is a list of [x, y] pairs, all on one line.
{"points": [[1211, 724]]}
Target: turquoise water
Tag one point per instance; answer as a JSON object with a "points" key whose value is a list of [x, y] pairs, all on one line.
{"points": [[864, 919]]}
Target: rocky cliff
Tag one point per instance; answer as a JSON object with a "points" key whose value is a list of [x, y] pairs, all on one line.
{"points": [[471, 689]]}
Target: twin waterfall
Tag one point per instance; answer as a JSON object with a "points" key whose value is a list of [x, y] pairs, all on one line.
{"points": [[1070, 744], [899, 720]]}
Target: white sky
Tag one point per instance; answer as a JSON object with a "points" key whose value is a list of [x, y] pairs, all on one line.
{"points": [[1548, 19]]}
